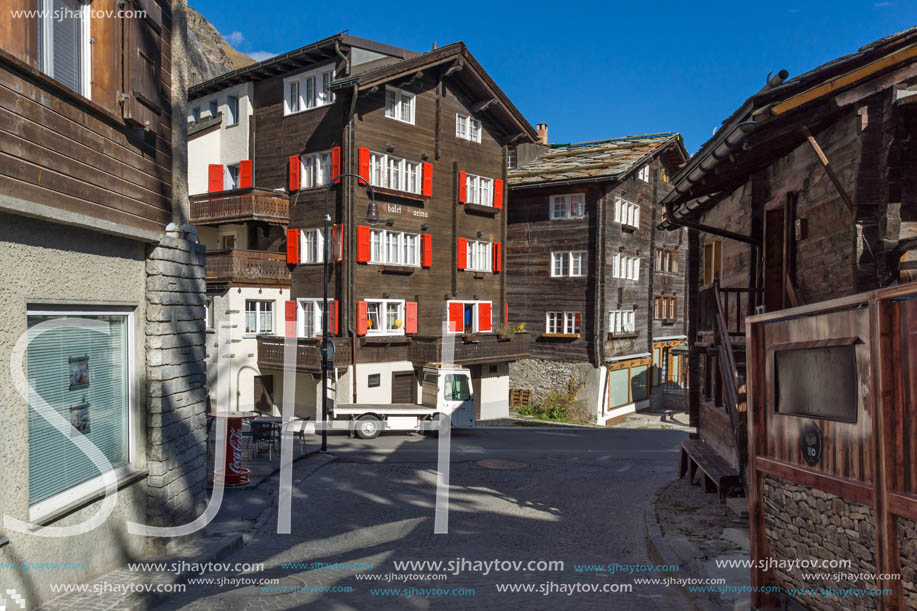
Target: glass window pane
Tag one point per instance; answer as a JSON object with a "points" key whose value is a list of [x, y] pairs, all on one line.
{"points": [[618, 387], [83, 375]]}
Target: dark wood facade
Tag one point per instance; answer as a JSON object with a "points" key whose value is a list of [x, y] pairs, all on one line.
{"points": [[444, 82], [806, 212], [533, 235], [90, 158]]}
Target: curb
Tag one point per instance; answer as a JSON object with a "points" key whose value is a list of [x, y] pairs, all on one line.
{"points": [[660, 552]]}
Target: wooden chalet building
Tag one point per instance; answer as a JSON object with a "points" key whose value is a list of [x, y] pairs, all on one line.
{"points": [[599, 288], [102, 277], [803, 217], [430, 131]]}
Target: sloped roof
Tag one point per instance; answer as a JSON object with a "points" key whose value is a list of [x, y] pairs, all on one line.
{"points": [[592, 160]]}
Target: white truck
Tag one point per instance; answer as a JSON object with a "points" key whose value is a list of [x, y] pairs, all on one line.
{"points": [[446, 392]]}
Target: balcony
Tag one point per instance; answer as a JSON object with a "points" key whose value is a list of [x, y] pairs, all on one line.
{"points": [[246, 268], [308, 353], [239, 205], [473, 349]]}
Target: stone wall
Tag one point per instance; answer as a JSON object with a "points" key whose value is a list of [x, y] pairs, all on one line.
{"points": [[907, 549], [544, 376], [176, 373], [807, 524]]}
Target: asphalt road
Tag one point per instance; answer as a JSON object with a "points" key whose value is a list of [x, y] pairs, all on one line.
{"points": [[525, 494]]}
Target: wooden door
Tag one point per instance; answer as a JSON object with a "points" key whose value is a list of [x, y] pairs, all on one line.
{"points": [[404, 387], [774, 287], [476, 372], [264, 393]]}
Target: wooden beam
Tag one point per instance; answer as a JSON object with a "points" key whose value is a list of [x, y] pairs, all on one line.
{"points": [[847, 489], [828, 169], [454, 68], [481, 106], [844, 80]]}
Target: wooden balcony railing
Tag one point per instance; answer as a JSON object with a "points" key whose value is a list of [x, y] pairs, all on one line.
{"points": [[471, 350], [247, 267], [308, 353], [250, 204], [737, 303]]}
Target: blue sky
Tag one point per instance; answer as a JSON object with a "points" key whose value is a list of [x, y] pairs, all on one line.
{"points": [[594, 70]]}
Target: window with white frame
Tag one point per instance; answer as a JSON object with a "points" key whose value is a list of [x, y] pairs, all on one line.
{"points": [[232, 176], [259, 316], [568, 263], [64, 43], [627, 213], [385, 316], [394, 247], [395, 173], [471, 317], [309, 317], [312, 246], [569, 206], [621, 322], [479, 190], [467, 128], [644, 173], [667, 260], [511, 160], [232, 110], [315, 169], [480, 256], [308, 90], [399, 104], [83, 374], [625, 267], [563, 323]]}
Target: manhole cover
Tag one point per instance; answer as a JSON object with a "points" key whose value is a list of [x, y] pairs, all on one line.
{"points": [[496, 463]]}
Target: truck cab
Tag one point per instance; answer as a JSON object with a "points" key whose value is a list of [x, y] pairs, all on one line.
{"points": [[448, 390]]}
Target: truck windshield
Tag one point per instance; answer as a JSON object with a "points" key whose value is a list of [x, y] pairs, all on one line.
{"points": [[457, 388]]}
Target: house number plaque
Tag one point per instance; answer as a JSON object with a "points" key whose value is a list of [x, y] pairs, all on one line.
{"points": [[811, 445]]}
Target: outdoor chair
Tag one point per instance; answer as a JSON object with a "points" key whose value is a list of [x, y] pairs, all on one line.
{"points": [[298, 427], [264, 432]]}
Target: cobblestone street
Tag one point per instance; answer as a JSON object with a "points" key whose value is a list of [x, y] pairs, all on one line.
{"points": [[573, 495]]}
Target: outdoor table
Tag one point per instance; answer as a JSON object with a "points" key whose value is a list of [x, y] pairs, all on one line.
{"points": [[235, 473]]}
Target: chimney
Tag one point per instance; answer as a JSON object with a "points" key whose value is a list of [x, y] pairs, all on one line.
{"points": [[542, 133]]}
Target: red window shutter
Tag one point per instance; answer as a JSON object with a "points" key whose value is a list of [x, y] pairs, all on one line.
{"points": [[363, 163], [362, 314], [333, 318], [462, 195], [427, 180], [363, 250], [410, 317], [498, 256], [337, 243], [294, 172], [498, 194], [214, 177], [336, 163], [484, 321], [457, 317], [290, 311], [426, 250], [462, 253], [292, 246], [245, 173]]}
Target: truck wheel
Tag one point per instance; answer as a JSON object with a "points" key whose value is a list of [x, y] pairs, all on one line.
{"points": [[434, 420], [368, 427]]}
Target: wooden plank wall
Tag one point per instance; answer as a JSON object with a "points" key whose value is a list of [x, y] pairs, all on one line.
{"points": [[61, 150]]}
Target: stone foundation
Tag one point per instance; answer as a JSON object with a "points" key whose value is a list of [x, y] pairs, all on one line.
{"points": [[543, 376], [907, 549], [806, 524], [176, 378]]}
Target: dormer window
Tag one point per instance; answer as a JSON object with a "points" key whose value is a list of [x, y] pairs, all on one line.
{"points": [[399, 105]]}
